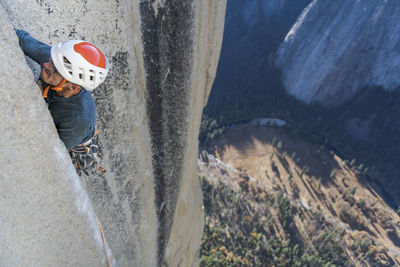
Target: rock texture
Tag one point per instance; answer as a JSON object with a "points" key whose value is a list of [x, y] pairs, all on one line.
{"points": [[163, 59], [336, 48], [183, 245], [44, 207]]}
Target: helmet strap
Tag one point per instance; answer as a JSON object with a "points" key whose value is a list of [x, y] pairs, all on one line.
{"points": [[57, 88]]}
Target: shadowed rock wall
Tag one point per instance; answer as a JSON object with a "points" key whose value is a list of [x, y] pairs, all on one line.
{"points": [[180, 71], [163, 59], [208, 20]]}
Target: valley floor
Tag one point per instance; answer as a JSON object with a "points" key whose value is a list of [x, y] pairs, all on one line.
{"points": [[304, 192]]}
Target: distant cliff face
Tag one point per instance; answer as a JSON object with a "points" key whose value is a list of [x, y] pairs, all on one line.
{"points": [[246, 71], [163, 59], [336, 48]]}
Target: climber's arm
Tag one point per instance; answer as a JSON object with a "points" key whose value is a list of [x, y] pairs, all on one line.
{"points": [[33, 48]]}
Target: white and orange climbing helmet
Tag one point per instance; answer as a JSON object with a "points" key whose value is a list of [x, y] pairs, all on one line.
{"points": [[80, 62]]}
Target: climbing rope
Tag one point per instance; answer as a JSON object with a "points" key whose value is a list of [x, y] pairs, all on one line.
{"points": [[104, 241]]}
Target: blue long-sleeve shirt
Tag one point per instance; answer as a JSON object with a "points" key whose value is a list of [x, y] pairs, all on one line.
{"points": [[75, 116]]}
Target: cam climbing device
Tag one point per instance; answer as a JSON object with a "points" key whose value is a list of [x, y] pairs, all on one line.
{"points": [[86, 157]]}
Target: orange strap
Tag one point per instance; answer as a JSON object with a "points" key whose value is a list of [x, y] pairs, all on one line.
{"points": [[57, 88], [101, 169]]}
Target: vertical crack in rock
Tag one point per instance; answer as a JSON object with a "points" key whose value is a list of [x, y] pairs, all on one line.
{"points": [[167, 33]]}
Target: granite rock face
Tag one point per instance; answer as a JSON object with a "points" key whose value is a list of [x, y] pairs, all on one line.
{"points": [[338, 47], [44, 207], [163, 59], [183, 244]]}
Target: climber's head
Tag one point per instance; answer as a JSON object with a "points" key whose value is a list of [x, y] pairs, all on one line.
{"points": [[80, 63], [50, 74]]}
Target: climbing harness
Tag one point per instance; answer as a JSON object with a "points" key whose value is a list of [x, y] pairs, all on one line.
{"points": [[104, 241], [86, 157]]}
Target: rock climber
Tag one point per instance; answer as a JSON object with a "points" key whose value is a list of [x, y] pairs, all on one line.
{"points": [[69, 72]]}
